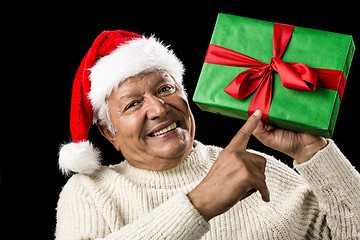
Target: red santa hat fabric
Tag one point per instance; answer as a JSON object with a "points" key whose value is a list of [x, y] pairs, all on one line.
{"points": [[113, 57]]}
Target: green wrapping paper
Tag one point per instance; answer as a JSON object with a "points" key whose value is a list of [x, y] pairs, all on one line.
{"points": [[314, 112]]}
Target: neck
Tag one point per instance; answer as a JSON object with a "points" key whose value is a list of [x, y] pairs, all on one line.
{"points": [[160, 164]]}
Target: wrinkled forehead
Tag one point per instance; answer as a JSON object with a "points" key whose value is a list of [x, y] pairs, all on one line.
{"points": [[150, 77]]}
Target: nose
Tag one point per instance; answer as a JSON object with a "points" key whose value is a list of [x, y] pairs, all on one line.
{"points": [[156, 108]]}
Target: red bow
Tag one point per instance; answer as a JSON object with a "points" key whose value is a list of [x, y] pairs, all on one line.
{"points": [[297, 76]]}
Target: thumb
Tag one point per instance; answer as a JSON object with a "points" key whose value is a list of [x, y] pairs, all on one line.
{"points": [[241, 139]]}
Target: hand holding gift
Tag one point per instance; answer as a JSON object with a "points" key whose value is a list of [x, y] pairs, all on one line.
{"points": [[300, 146]]}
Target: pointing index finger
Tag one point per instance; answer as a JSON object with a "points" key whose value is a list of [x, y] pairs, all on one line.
{"points": [[242, 137]]}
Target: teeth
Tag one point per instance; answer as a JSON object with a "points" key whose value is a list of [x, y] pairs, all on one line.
{"points": [[167, 129]]}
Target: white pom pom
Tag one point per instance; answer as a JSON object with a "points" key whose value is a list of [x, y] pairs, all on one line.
{"points": [[80, 157]]}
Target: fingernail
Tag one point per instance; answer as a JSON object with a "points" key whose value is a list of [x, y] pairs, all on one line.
{"points": [[257, 113]]}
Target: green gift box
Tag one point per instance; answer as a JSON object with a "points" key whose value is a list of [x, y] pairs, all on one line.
{"points": [[246, 51]]}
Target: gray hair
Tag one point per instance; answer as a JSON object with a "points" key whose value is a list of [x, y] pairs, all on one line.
{"points": [[103, 117]]}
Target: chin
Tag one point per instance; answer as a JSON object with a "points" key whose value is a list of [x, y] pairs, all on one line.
{"points": [[174, 149]]}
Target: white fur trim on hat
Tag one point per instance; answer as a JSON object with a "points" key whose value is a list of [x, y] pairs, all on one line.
{"points": [[81, 157], [136, 56]]}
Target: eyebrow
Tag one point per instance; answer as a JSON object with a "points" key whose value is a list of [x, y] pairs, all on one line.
{"points": [[128, 96], [134, 94]]}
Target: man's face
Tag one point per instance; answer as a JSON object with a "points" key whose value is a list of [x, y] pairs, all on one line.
{"points": [[154, 125]]}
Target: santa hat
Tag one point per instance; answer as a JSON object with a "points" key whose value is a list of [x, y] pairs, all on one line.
{"points": [[113, 57]]}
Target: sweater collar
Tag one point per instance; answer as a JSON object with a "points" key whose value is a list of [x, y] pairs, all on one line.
{"points": [[189, 172]]}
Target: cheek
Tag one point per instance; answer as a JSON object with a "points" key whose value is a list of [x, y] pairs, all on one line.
{"points": [[128, 129], [179, 101], [182, 105]]}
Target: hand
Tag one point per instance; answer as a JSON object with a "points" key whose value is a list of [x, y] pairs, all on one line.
{"points": [[300, 146], [235, 175]]}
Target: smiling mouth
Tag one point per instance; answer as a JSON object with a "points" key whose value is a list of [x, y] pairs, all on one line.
{"points": [[165, 130]]}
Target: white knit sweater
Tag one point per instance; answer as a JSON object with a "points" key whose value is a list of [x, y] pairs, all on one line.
{"points": [[123, 202]]}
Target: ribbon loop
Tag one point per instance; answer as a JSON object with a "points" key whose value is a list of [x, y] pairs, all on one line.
{"points": [[245, 83], [295, 76]]}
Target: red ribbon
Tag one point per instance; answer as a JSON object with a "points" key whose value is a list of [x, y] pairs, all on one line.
{"points": [[259, 76]]}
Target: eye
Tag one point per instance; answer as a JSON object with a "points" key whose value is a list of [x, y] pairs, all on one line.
{"points": [[131, 104], [166, 89]]}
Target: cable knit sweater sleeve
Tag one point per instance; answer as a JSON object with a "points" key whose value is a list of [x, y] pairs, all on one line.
{"points": [[77, 214], [336, 185], [76, 209], [161, 223]]}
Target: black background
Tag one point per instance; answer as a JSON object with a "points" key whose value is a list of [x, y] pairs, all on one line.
{"points": [[43, 47]]}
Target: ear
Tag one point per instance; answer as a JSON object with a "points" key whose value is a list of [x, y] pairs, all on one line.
{"points": [[108, 135]]}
